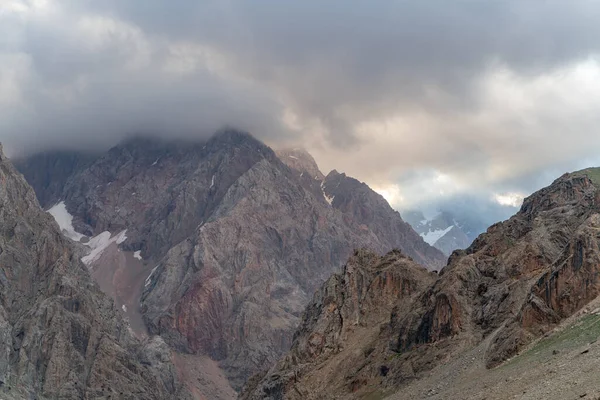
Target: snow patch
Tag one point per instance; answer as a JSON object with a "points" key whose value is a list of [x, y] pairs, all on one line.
{"points": [[97, 244], [100, 242], [154, 163], [65, 221], [124, 308], [292, 157], [328, 199], [433, 236], [138, 255], [149, 278], [212, 182]]}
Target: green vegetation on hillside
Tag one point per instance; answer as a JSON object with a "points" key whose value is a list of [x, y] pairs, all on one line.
{"points": [[584, 331], [592, 173]]}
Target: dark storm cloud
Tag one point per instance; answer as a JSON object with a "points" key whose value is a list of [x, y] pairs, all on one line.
{"points": [[342, 61], [74, 79], [496, 95]]}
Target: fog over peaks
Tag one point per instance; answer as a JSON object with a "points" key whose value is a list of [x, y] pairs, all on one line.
{"points": [[425, 101]]}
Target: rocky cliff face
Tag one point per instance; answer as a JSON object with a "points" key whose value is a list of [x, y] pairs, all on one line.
{"points": [[512, 285], [49, 172], [336, 349], [369, 209], [518, 279], [239, 239], [61, 337], [300, 160]]}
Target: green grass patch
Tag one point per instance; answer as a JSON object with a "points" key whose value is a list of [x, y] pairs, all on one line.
{"points": [[592, 173], [377, 395], [584, 331]]}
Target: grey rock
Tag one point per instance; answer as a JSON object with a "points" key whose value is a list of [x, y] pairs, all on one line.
{"points": [[61, 337], [240, 239]]}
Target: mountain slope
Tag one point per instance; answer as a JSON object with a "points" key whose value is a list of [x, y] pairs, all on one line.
{"points": [[371, 210], [235, 240], [337, 341], [515, 283], [47, 173], [61, 337]]}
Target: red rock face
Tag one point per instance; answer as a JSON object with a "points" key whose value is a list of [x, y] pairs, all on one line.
{"points": [[200, 316], [573, 282]]}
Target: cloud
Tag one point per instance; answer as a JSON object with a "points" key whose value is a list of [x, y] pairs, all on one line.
{"points": [[86, 80], [422, 100]]}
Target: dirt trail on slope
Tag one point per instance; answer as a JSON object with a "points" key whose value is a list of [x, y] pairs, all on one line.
{"points": [[561, 366]]}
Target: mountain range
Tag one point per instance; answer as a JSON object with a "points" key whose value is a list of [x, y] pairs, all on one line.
{"points": [[215, 246], [197, 270], [442, 230], [525, 291]]}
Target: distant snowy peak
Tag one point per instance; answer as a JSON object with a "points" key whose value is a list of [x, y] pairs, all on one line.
{"points": [[440, 230]]}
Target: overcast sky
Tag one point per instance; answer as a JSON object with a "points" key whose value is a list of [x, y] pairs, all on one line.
{"points": [[427, 101]]}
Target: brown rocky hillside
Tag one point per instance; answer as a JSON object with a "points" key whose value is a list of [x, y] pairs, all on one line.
{"points": [[516, 283]]}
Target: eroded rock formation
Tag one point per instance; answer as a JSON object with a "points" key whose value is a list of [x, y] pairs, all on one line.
{"points": [[512, 285], [60, 337], [237, 238]]}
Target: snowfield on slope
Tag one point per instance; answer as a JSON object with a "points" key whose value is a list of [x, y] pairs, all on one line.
{"points": [[433, 236], [65, 221]]}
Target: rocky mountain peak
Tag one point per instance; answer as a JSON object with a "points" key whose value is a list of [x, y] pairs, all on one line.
{"points": [[300, 160], [515, 283], [232, 138], [233, 241], [371, 210], [356, 303]]}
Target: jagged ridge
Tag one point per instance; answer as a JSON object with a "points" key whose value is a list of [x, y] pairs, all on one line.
{"points": [[512, 285], [61, 337]]}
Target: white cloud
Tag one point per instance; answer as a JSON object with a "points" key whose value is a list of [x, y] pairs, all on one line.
{"points": [[509, 199]]}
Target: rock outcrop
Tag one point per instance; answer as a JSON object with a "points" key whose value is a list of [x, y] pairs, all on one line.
{"points": [[336, 349], [48, 173], [239, 239], [60, 336], [518, 279], [515, 283], [300, 160]]}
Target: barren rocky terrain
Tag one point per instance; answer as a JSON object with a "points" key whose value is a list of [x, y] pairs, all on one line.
{"points": [[61, 337], [516, 283], [233, 239], [561, 365]]}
